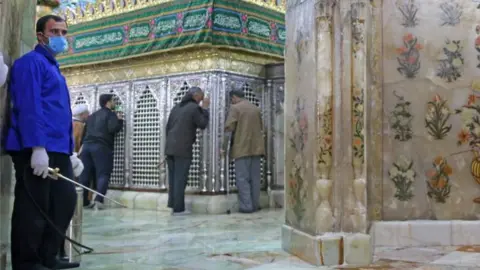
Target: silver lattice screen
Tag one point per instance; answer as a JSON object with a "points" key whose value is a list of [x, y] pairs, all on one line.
{"points": [[80, 100], [251, 97], [118, 174], [138, 148], [146, 141], [194, 173]]}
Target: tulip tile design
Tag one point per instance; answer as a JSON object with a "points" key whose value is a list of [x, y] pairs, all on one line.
{"points": [[450, 64], [403, 176], [451, 13], [436, 118], [401, 119], [409, 56], [409, 10], [438, 182]]}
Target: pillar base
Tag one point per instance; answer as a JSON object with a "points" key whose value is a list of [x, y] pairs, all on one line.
{"points": [[329, 249], [415, 233], [197, 204], [277, 198]]}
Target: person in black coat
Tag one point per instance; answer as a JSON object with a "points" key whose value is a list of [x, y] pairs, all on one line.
{"points": [[183, 122], [97, 149]]}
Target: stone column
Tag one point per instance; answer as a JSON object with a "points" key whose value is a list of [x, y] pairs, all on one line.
{"points": [[327, 77], [275, 75], [16, 37]]}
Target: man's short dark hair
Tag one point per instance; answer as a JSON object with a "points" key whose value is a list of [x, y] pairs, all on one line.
{"points": [[237, 93], [104, 98], [194, 90], [42, 22]]}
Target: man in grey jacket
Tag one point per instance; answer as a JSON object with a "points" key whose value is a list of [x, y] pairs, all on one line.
{"points": [[183, 122]]}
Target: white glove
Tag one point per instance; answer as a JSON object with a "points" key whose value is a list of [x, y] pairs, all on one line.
{"points": [[77, 165], [3, 71], [39, 162]]}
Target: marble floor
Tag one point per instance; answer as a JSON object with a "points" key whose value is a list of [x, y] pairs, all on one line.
{"points": [[148, 240]]}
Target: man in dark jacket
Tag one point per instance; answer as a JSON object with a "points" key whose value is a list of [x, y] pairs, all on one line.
{"points": [[183, 122], [97, 150]]}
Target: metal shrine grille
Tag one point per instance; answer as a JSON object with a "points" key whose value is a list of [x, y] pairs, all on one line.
{"points": [[251, 97], [80, 100], [117, 177], [195, 169], [146, 141]]}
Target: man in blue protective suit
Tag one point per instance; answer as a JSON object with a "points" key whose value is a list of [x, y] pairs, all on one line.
{"points": [[39, 136]]}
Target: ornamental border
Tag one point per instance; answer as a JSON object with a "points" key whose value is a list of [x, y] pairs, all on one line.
{"points": [[241, 41]]}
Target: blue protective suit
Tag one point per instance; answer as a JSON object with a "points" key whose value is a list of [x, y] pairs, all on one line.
{"points": [[40, 115]]}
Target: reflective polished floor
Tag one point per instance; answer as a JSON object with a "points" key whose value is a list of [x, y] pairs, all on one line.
{"points": [[147, 240]]}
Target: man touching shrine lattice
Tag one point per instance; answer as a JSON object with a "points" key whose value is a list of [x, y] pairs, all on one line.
{"points": [[245, 123], [183, 122]]}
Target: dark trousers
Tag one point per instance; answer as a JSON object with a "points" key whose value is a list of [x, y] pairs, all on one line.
{"points": [[247, 176], [178, 168], [34, 241], [96, 158]]}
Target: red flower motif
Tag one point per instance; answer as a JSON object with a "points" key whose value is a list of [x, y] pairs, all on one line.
{"points": [[408, 37], [274, 38], [412, 60], [209, 23], [180, 16], [126, 27], [402, 50], [125, 40], [245, 30], [471, 99], [477, 41], [179, 29], [152, 22], [210, 9], [303, 121], [273, 25], [152, 36], [244, 17]]}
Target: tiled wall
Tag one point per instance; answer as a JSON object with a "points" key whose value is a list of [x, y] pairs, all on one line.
{"points": [[431, 60], [403, 82]]}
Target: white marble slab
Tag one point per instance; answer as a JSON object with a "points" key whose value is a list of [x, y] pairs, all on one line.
{"points": [[458, 258], [465, 232], [426, 233]]}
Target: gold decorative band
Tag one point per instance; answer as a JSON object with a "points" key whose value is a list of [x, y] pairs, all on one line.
{"points": [[167, 64]]}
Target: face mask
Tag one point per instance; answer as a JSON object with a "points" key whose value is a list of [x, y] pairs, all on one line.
{"points": [[3, 71], [57, 44]]}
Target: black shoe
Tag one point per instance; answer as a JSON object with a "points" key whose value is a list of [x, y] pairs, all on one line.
{"points": [[66, 265], [64, 258], [245, 211], [40, 267]]}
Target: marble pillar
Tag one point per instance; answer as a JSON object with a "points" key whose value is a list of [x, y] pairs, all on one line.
{"points": [[17, 36], [332, 74]]}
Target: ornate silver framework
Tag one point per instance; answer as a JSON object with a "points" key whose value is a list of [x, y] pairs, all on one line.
{"points": [[139, 147]]}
